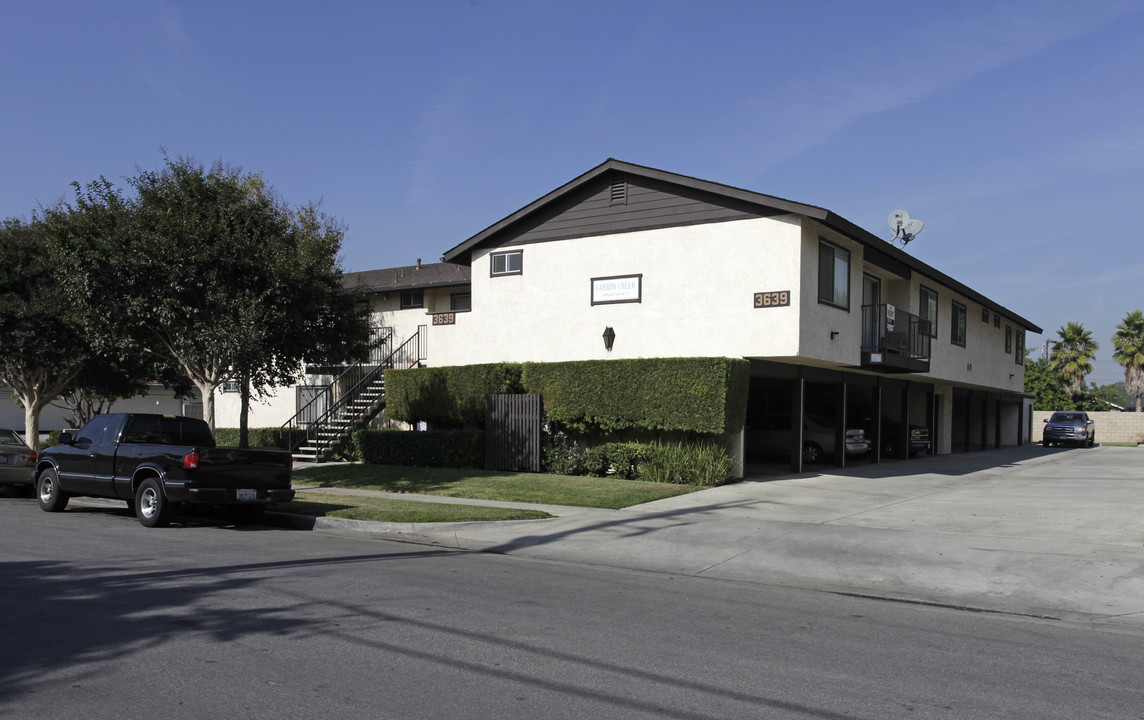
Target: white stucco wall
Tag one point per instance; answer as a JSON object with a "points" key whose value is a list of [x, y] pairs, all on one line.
{"points": [[698, 286]]}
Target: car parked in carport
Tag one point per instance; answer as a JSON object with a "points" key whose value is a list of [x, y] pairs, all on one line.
{"points": [[771, 435], [1069, 426]]}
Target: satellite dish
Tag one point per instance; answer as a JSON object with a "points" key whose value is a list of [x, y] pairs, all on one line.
{"points": [[904, 228]]}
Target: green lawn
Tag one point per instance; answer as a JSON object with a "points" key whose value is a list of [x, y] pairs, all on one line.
{"points": [[490, 485], [356, 507]]}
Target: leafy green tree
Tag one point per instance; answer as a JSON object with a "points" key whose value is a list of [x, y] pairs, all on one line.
{"points": [[1046, 385], [1072, 355], [210, 272], [1128, 350], [41, 352]]}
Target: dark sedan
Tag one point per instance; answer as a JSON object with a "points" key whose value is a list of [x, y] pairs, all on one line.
{"points": [[1070, 426], [17, 460]]}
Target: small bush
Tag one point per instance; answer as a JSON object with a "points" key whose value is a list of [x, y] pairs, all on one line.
{"points": [[433, 448], [699, 463], [564, 456], [625, 458]]}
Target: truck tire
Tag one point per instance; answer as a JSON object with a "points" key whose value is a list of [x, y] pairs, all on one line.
{"points": [[48, 493], [152, 507]]}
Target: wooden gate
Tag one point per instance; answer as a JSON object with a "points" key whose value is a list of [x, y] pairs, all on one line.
{"points": [[512, 432]]}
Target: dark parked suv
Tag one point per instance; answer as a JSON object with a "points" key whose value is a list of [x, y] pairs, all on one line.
{"points": [[1070, 426]]}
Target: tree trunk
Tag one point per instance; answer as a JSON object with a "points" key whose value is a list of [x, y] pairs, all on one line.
{"points": [[32, 423], [243, 431], [207, 391]]}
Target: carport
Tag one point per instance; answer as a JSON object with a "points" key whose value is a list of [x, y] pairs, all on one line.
{"points": [[884, 407]]}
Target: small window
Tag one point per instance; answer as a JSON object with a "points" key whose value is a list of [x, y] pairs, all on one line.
{"points": [[957, 324], [996, 320], [1019, 356], [412, 299], [833, 275], [1008, 338], [230, 386], [459, 302], [927, 308], [985, 315], [507, 263]]}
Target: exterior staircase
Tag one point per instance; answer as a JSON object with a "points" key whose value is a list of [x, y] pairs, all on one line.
{"points": [[347, 404]]}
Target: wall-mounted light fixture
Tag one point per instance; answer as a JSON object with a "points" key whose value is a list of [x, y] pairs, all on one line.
{"points": [[834, 334], [609, 337]]}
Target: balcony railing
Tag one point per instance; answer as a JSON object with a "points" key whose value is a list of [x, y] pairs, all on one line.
{"points": [[894, 340]]}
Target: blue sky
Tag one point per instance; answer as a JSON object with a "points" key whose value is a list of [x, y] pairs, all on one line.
{"points": [[1015, 130]]}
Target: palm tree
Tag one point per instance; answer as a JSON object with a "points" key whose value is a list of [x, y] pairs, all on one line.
{"points": [[1128, 350], [1072, 355]]}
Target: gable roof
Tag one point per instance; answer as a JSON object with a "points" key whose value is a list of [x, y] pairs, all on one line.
{"points": [[409, 277], [877, 251]]}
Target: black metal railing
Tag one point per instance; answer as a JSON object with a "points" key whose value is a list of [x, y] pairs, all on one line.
{"points": [[894, 336], [350, 401]]}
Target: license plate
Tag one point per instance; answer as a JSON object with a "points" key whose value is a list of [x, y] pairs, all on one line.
{"points": [[245, 495]]}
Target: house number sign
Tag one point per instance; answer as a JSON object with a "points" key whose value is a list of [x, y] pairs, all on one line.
{"points": [[778, 298], [445, 319]]}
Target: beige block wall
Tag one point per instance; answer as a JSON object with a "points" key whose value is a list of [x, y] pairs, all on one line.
{"points": [[1118, 427]]}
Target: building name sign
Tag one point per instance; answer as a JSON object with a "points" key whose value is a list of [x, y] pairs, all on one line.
{"points": [[618, 289], [776, 298]]}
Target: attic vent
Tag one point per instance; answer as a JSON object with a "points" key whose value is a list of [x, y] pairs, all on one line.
{"points": [[620, 191]]}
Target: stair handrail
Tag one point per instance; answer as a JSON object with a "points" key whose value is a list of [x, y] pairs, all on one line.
{"points": [[332, 409]]}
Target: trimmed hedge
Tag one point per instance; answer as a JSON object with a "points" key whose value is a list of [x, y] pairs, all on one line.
{"points": [[699, 395], [450, 396], [257, 437], [433, 448]]}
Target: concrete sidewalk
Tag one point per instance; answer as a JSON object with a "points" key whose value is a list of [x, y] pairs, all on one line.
{"points": [[1043, 532]]}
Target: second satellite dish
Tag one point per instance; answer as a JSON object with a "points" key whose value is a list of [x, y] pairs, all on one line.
{"points": [[904, 227]]}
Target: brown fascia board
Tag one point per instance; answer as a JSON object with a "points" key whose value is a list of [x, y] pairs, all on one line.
{"points": [[409, 277], [462, 254]]}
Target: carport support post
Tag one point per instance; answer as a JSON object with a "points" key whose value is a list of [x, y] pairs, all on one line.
{"points": [[840, 425], [797, 408], [876, 425], [904, 433]]}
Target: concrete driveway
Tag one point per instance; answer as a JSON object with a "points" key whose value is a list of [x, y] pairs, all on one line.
{"points": [[1053, 533]]}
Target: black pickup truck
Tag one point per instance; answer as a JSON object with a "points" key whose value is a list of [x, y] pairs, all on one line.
{"points": [[157, 462]]}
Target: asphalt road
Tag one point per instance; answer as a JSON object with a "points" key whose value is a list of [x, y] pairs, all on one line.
{"points": [[101, 618]]}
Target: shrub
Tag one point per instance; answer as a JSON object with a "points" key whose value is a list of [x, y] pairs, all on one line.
{"points": [[697, 463], [433, 448], [625, 458], [591, 397], [257, 437], [564, 456]]}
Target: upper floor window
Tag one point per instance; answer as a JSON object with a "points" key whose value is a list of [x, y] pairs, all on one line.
{"points": [[412, 299], [833, 275], [460, 302], [1019, 356], [957, 324], [507, 263], [927, 308], [985, 315], [1008, 338]]}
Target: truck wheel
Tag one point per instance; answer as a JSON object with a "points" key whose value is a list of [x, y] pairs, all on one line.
{"points": [[152, 507], [48, 493], [811, 453]]}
